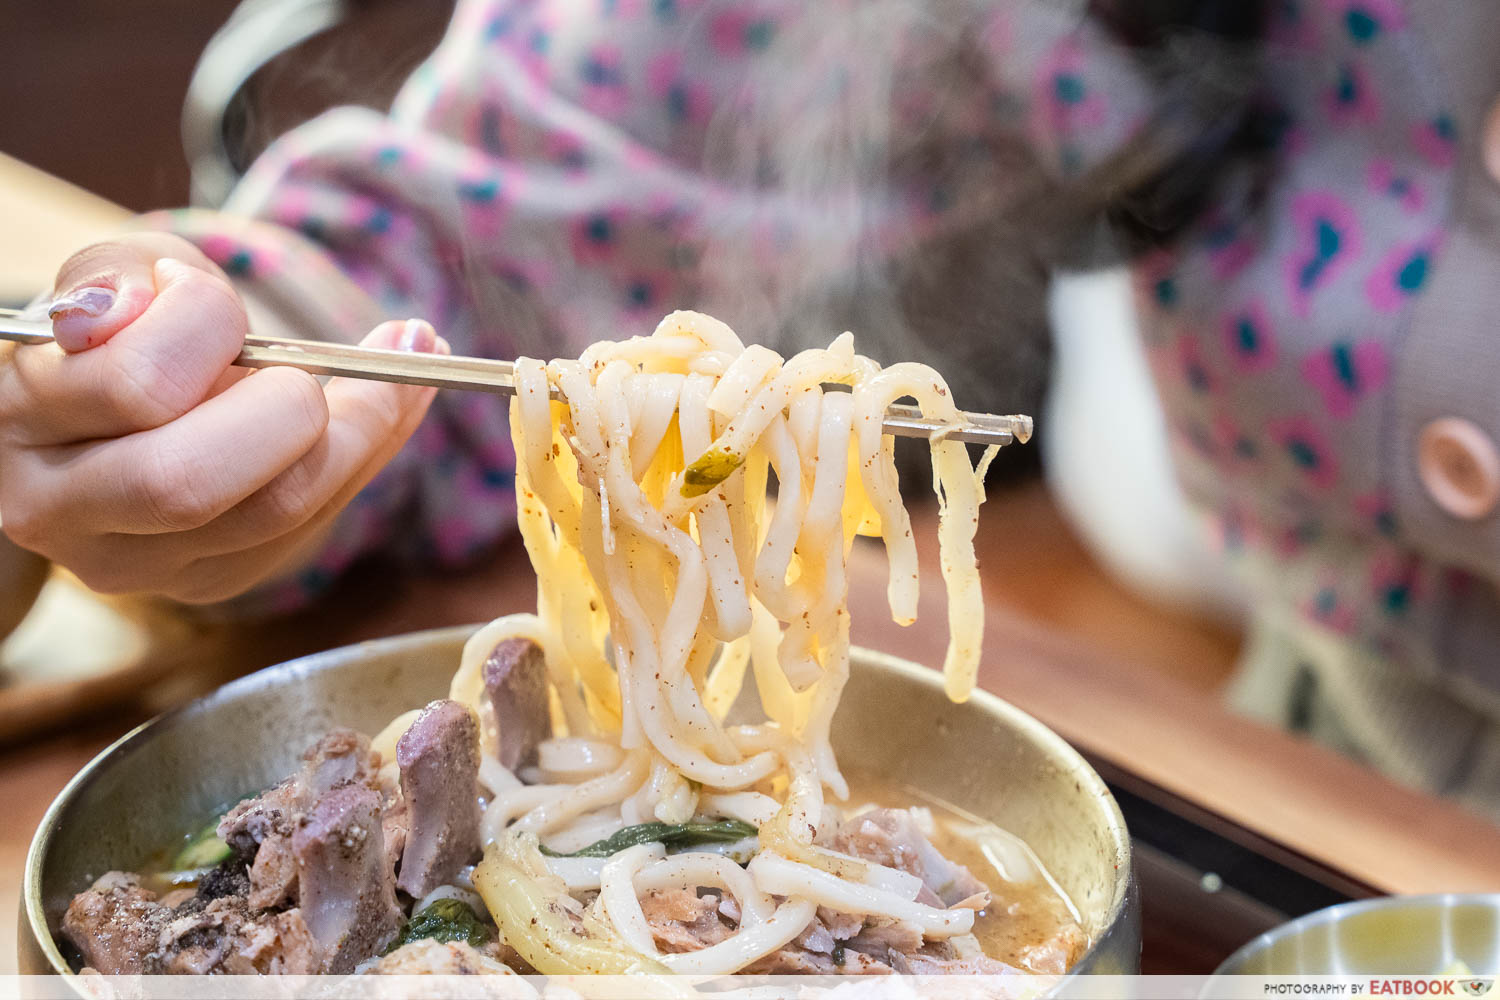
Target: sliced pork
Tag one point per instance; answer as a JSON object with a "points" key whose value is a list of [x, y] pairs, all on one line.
{"points": [[515, 679], [261, 828], [1056, 954], [891, 837], [227, 938], [880, 938], [681, 920], [439, 760], [346, 891], [115, 923], [794, 960], [122, 928], [340, 757]]}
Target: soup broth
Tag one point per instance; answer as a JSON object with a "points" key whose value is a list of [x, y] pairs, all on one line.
{"points": [[1030, 923]]}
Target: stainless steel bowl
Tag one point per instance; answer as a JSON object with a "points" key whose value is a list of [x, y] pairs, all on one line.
{"points": [[1394, 935], [176, 773]]}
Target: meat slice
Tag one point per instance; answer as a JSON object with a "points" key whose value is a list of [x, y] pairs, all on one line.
{"points": [[439, 761], [515, 678], [275, 944], [196, 942], [393, 824], [842, 926], [273, 874], [816, 937], [828, 930], [226, 938], [341, 756], [245, 827], [794, 960], [261, 827], [439, 958], [122, 928], [1056, 953], [891, 837], [681, 920], [881, 938], [115, 923], [346, 892]]}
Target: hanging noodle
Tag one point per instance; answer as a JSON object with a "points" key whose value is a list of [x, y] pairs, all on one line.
{"points": [[664, 580]]}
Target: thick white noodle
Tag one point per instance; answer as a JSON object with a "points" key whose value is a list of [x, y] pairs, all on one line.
{"points": [[585, 830], [617, 895], [746, 945], [731, 601], [574, 758], [494, 776], [518, 801], [654, 605], [754, 808], [587, 797], [581, 874], [695, 869], [746, 374], [784, 877]]}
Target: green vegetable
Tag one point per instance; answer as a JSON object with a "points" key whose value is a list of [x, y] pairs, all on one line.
{"points": [[723, 831], [709, 470], [204, 849], [443, 920], [838, 954]]}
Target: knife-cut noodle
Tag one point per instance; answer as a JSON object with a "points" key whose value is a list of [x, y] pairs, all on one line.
{"points": [[667, 581], [651, 750]]}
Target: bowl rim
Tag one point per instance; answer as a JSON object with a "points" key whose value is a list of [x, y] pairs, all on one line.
{"points": [[1054, 745], [1340, 911]]}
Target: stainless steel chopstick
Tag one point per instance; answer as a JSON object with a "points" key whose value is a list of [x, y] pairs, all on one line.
{"points": [[486, 375]]}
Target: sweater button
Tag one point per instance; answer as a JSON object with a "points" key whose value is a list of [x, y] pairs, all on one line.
{"points": [[1459, 466], [1489, 145]]}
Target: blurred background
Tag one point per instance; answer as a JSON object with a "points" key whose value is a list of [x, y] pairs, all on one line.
{"points": [[94, 94], [95, 98], [1110, 618]]}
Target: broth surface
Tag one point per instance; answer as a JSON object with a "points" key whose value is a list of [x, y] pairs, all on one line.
{"points": [[1026, 912]]}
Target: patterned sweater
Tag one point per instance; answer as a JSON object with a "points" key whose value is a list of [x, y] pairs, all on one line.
{"points": [[558, 172]]}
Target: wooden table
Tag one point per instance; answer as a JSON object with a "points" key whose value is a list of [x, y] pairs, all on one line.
{"points": [[42, 221], [1175, 736], [1130, 684]]}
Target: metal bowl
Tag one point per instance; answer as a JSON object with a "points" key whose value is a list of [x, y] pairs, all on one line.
{"points": [[179, 771], [1394, 935]]}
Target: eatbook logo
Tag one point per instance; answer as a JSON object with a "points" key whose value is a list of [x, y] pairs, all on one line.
{"points": [[1477, 987]]}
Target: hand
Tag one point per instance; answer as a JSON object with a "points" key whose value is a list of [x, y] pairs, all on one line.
{"points": [[134, 453]]}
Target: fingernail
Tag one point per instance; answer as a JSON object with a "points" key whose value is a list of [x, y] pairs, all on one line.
{"points": [[418, 336], [90, 301]]}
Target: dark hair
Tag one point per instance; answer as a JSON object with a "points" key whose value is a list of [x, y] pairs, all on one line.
{"points": [[972, 301], [1204, 56]]}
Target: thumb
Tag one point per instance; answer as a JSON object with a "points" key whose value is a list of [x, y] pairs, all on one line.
{"points": [[105, 287]]}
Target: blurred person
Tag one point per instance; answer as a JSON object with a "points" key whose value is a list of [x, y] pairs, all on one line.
{"points": [[1300, 186]]}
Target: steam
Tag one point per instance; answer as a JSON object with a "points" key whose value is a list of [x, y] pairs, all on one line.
{"points": [[882, 179], [879, 177]]}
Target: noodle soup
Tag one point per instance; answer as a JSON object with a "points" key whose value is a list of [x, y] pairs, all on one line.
{"points": [[137, 804], [582, 801]]}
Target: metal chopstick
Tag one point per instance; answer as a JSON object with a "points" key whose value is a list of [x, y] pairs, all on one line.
{"points": [[486, 375]]}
